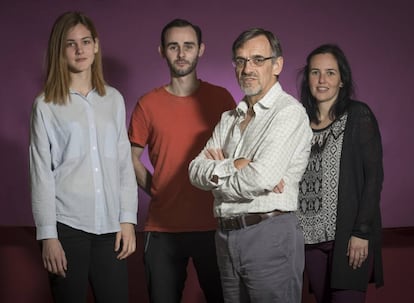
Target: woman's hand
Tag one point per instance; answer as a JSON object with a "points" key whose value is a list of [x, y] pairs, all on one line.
{"points": [[127, 237], [357, 251], [54, 258]]}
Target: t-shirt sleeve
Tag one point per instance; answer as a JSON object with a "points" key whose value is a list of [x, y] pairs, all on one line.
{"points": [[139, 128]]}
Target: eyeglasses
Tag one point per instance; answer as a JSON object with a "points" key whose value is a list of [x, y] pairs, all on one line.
{"points": [[240, 62]]}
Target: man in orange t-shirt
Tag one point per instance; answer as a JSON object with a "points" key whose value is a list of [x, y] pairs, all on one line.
{"points": [[175, 121]]}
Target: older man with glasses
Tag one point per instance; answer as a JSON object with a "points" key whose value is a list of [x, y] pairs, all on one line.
{"points": [[253, 164]]}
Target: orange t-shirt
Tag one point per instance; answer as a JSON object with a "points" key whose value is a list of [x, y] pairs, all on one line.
{"points": [[176, 130]]}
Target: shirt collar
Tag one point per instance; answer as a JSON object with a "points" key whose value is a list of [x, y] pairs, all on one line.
{"points": [[74, 92], [266, 102]]}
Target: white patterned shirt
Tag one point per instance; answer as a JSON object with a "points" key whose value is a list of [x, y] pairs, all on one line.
{"points": [[318, 189], [277, 141], [80, 165]]}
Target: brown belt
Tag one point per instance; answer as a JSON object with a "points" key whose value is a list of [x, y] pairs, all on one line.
{"points": [[242, 221]]}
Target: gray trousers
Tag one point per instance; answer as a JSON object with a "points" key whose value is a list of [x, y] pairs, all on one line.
{"points": [[262, 263]]}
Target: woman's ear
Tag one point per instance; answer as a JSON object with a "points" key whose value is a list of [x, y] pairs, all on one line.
{"points": [[96, 47]]}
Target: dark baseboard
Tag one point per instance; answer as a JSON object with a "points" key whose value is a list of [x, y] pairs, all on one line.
{"points": [[391, 237], [398, 237]]}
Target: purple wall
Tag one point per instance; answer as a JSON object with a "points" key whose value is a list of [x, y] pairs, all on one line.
{"points": [[377, 38]]}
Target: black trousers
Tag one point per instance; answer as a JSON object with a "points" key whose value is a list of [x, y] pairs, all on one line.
{"points": [[91, 258], [166, 257]]}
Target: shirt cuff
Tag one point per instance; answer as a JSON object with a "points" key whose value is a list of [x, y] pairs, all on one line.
{"points": [[224, 169], [46, 232], [128, 217]]}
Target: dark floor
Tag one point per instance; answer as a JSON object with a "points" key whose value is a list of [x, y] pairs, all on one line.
{"points": [[23, 280]]}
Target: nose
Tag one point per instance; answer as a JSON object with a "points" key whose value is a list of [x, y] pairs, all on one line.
{"points": [[180, 52], [79, 48], [247, 67], [322, 78]]}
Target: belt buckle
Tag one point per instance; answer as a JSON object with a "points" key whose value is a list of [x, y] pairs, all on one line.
{"points": [[237, 222], [232, 223]]}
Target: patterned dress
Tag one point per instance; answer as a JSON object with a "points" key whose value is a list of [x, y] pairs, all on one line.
{"points": [[318, 189]]}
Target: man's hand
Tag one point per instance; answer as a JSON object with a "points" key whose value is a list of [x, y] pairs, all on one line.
{"points": [[127, 236], [241, 163], [279, 187], [214, 154], [54, 258], [357, 251]]}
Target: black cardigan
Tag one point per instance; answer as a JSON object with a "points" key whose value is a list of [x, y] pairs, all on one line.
{"points": [[358, 210]]}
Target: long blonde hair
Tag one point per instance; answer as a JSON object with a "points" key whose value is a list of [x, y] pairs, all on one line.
{"points": [[56, 86]]}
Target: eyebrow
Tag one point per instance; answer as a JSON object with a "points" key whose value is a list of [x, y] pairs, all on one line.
{"points": [[87, 37], [315, 68], [185, 43], [254, 56]]}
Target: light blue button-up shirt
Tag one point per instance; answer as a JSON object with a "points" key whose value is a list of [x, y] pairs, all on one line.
{"points": [[81, 170]]}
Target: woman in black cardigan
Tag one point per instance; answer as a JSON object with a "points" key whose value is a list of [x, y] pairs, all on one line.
{"points": [[340, 191]]}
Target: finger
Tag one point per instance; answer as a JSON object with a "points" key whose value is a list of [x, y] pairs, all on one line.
{"points": [[220, 154], [129, 251], [355, 263], [61, 271], [54, 267], [276, 189], [125, 249], [121, 254], [208, 155], [352, 258], [132, 245], [45, 264], [62, 265], [214, 154], [279, 188], [65, 263], [49, 266], [125, 246], [118, 238], [361, 260]]}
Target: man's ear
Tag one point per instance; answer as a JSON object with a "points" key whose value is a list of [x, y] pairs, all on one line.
{"points": [[278, 66], [201, 49], [161, 51]]}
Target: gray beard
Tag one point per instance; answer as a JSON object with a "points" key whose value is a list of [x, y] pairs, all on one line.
{"points": [[250, 92]]}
